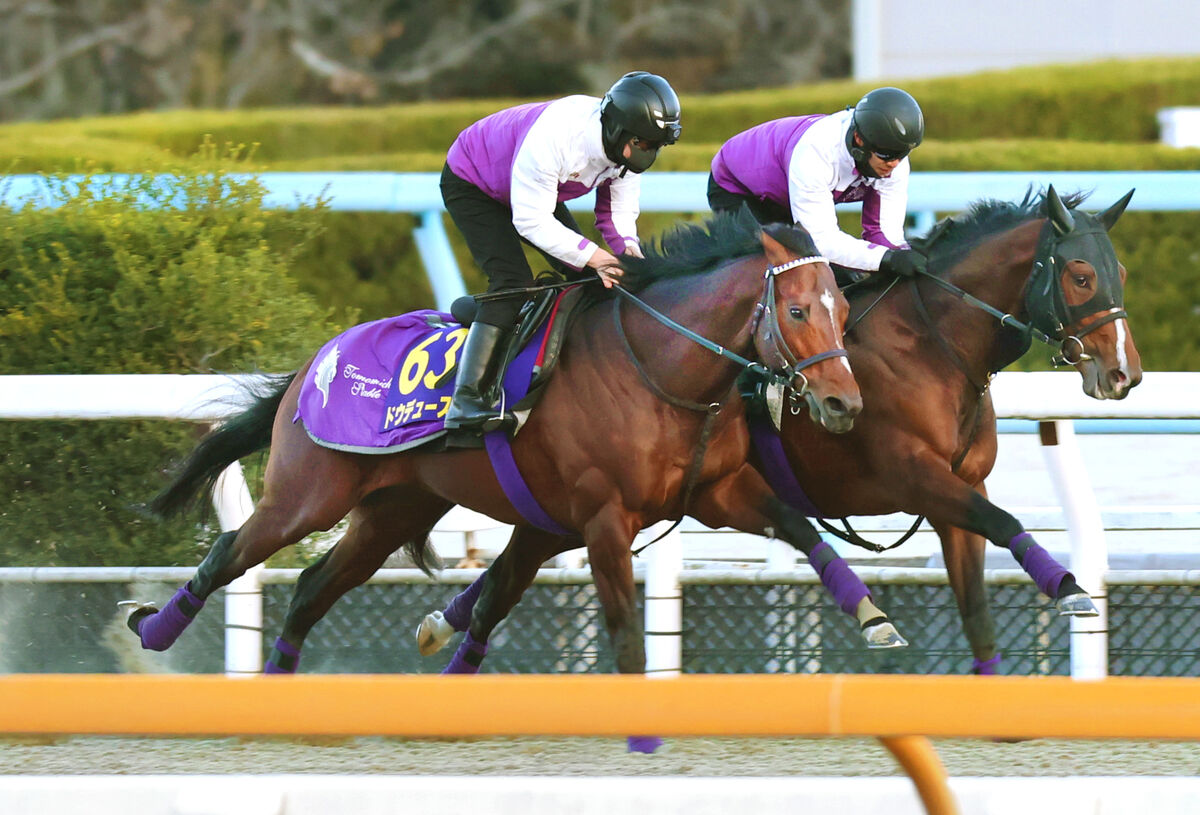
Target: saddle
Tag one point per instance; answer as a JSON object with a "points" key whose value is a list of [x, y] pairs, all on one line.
{"points": [[557, 306]]}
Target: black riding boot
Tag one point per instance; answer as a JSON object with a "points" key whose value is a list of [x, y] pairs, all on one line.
{"points": [[474, 382]]}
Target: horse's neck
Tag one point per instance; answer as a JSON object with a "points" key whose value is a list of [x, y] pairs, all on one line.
{"points": [[719, 306], [996, 272]]}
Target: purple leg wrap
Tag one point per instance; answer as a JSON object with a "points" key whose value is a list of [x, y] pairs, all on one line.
{"points": [[1046, 572], [159, 631], [458, 612], [985, 667], [845, 586], [468, 657], [644, 744], [284, 659]]}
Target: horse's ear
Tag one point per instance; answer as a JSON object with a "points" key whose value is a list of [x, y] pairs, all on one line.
{"points": [[1060, 216], [776, 253], [1110, 215]]}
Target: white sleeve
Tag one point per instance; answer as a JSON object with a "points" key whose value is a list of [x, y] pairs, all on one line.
{"points": [[533, 199], [810, 189]]}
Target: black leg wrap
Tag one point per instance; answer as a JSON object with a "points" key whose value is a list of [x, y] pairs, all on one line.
{"points": [[473, 658]]}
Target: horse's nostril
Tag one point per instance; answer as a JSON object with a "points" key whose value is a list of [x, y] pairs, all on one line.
{"points": [[835, 406], [1117, 378]]}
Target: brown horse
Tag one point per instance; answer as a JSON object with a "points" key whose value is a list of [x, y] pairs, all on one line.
{"points": [[924, 354], [639, 415]]}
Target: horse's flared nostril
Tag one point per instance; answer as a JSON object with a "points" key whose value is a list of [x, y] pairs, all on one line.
{"points": [[835, 406], [838, 407]]}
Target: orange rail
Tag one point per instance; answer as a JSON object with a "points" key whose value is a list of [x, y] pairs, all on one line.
{"points": [[697, 705], [901, 710]]}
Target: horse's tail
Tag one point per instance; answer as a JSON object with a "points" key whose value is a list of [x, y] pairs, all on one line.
{"points": [[236, 437]]}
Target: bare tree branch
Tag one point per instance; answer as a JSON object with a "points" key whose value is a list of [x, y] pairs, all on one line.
{"points": [[80, 44]]}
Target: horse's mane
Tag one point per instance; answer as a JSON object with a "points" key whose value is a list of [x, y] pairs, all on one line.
{"points": [[698, 248], [957, 234]]}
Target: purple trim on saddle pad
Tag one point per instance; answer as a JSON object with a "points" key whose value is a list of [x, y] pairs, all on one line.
{"points": [[776, 469], [458, 611], [159, 631], [468, 657], [386, 385], [1039, 564]]}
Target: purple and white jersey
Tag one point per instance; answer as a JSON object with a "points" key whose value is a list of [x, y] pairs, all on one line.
{"points": [[802, 163], [533, 156]]}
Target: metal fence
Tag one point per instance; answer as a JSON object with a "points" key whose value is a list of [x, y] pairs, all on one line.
{"points": [[730, 626]]}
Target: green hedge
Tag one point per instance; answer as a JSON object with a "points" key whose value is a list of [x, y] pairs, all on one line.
{"points": [[112, 283]]}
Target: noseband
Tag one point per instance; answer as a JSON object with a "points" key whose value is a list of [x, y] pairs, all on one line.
{"points": [[788, 369], [784, 369]]}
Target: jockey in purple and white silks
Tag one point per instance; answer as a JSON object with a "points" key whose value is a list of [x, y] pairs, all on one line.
{"points": [[794, 170], [506, 180]]}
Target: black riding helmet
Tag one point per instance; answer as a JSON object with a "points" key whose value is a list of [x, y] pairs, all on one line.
{"points": [[890, 123], [639, 106]]}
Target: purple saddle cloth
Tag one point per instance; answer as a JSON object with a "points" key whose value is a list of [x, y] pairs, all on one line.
{"points": [[385, 386]]}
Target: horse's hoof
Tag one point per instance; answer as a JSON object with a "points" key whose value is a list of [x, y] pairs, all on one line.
{"points": [[433, 633], [883, 635], [135, 612], [1077, 605]]}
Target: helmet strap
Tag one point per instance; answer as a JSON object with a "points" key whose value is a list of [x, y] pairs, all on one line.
{"points": [[860, 154]]}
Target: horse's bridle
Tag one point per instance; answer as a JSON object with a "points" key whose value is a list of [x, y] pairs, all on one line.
{"points": [[784, 369], [1050, 316], [788, 371], [791, 368]]}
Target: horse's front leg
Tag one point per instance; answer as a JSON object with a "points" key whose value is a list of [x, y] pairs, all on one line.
{"points": [[963, 552], [608, 536], [744, 502], [935, 492]]}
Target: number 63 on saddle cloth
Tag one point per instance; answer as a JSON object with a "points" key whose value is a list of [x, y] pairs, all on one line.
{"points": [[385, 386]]}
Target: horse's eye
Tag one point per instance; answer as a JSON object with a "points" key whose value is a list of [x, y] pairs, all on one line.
{"points": [[1081, 281], [798, 313]]}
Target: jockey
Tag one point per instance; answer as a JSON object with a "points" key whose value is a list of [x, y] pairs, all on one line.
{"points": [[794, 170], [506, 180]]}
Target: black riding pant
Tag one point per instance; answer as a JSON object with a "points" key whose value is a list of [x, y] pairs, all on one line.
{"points": [[486, 225], [765, 212]]}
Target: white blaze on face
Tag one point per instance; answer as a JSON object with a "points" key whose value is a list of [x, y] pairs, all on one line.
{"points": [[827, 302], [1122, 358]]}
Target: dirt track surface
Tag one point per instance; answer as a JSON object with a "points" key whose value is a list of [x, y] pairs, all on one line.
{"points": [[583, 757]]}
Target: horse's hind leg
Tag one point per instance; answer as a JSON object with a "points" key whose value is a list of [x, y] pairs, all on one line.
{"points": [[438, 627], [289, 510], [482, 605], [386, 520]]}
